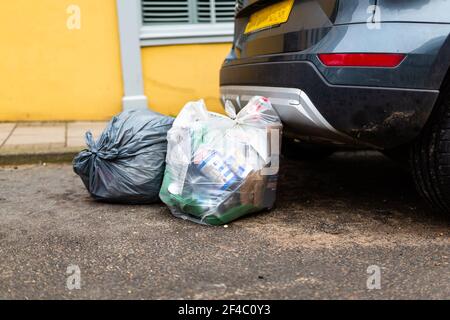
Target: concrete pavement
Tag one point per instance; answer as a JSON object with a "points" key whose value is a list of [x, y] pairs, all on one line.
{"points": [[44, 141]]}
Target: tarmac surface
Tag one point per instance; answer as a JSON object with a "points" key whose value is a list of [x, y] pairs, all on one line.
{"points": [[333, 220]]}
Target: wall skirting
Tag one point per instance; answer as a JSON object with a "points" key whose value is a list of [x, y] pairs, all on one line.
{"points": [[133, 102]]}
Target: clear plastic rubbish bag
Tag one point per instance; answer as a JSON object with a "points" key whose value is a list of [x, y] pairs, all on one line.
{"points": [[126, 164], [220, 168]]}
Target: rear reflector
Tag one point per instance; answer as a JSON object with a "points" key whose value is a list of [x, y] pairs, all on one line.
{"points": [[381, 60]]}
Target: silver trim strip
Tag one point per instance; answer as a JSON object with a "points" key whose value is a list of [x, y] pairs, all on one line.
{"points": [[294, 107]]}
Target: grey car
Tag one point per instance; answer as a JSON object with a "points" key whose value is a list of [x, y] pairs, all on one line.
{"points": [[351, 74]]}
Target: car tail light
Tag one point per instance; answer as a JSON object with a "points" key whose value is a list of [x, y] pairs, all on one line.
{"points": [[381, 60]]}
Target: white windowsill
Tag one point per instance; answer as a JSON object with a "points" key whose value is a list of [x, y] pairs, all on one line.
{"points": [[186, 34]]}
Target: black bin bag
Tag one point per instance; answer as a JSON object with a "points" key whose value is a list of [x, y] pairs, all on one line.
{"points": [[126, 164]]}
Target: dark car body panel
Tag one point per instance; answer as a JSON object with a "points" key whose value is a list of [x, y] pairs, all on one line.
{"points": [[383, 107], [369, 114]]}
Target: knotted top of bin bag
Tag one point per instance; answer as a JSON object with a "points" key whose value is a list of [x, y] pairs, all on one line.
{"points": [[247, 126], [126, 164], [253, 122], [257, 113]]}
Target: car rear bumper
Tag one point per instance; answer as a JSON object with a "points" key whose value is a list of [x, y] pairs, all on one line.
{"points": [[311, 107], [293, 106]]}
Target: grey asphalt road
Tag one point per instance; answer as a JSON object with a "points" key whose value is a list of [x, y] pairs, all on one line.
{"points": [[333, 220]]}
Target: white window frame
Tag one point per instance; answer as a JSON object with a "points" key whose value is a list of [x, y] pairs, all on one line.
{"points": [[188, 33], [185, 33], [134, 35]]}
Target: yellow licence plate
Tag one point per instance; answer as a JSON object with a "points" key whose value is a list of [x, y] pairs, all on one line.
{"points": [[272, 15]]}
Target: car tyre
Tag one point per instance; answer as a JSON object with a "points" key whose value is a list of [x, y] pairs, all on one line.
{"points": [[430, 156]]}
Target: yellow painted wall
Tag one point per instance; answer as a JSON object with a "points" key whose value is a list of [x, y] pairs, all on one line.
{"points": [[174, 75], [48, 72]]}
